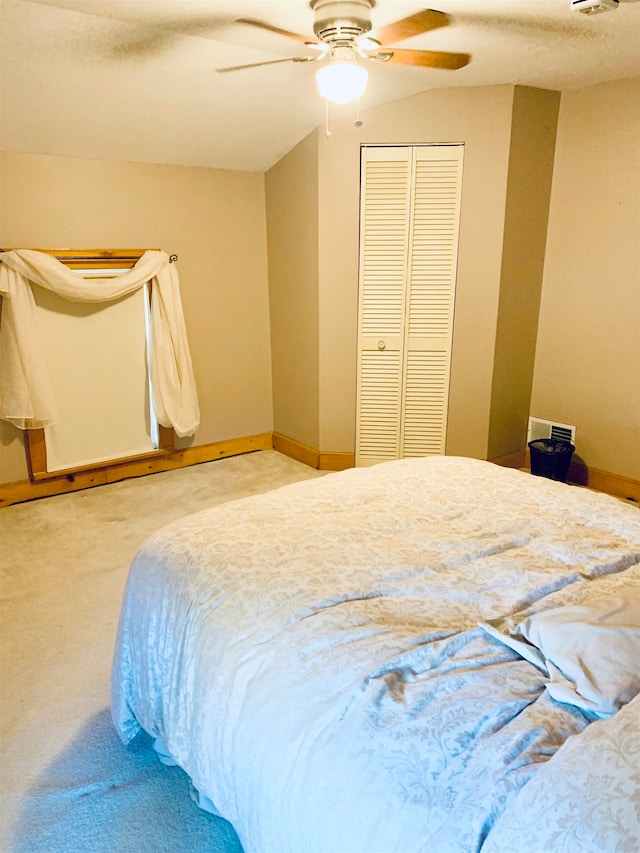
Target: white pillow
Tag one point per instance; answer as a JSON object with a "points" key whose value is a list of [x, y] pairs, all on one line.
{"points": [[584, 798], [591, 652]]}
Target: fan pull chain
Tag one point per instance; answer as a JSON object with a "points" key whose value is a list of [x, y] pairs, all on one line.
{"points": [[358, 122], [327, 132]]}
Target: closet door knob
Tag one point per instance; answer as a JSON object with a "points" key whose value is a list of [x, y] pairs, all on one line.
{"points": [[382, 345]]}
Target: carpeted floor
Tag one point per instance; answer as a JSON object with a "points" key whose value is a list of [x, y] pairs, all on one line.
{"points": [[68, 783]]}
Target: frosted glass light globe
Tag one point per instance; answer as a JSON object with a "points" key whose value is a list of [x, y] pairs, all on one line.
{"points": [[341, 81]]}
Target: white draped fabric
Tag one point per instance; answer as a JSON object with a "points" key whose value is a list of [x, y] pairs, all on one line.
{"points": [[26, 398]]}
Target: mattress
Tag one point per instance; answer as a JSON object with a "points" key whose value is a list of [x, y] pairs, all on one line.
{"points": [[333, 663]]}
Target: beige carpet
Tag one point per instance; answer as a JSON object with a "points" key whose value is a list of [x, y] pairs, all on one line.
{"points": [[64, 563]]}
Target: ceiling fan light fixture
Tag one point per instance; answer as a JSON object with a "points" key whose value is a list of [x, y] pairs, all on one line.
{"points": [[342, 80]]}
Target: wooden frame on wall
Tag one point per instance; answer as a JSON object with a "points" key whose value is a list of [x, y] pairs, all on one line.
{"points": [[98, 258], [36, 453]]}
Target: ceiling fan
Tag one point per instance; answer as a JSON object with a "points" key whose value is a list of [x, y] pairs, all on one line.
{"points": [[344, 35]]}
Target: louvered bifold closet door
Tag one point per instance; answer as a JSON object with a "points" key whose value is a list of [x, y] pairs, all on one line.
{"points": [[384, 234], [433, 251], [410, 203]]}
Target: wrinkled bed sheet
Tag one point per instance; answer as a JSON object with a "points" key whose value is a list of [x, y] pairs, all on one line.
{"points": [[312, 657]]}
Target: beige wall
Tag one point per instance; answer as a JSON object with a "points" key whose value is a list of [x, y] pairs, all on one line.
{"points": [[214, 220], [292, 227], [481, 118], [533, 135], [587, 366]]}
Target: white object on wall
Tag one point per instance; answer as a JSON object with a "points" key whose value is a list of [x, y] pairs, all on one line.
{"points": [[539, 428], [98, 365]]}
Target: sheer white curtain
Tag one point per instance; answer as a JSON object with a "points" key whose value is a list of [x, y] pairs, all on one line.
{"points": [[26, 398]]}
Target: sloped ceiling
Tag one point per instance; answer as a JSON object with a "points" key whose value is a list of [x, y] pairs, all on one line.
{"points": [[136, 80]]}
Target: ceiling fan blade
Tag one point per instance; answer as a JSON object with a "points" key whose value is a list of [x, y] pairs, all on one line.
{"points": [[414, 25], [255, 23], [426, 58], [270, 62]]}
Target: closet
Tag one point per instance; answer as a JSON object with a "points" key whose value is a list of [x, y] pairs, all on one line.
{"points": [[409, 225]]}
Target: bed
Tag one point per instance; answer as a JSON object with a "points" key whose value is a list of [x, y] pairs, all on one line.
{"points": [[435, 654]]}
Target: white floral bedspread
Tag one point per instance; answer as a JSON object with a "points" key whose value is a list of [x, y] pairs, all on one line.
{"points": [[312, 657]]}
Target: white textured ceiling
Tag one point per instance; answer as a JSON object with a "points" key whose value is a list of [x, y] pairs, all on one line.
{"points": [[135, 80]]}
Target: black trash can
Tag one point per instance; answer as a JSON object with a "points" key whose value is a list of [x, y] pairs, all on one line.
{"points": [[551, 457]]}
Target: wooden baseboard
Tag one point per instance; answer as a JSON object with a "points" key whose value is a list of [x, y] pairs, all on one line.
{"points": [[336, 461], [296, 450], [511, 460], [603, 481], [584, 475], [320, 459], [26, 490], [579, 474]]}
